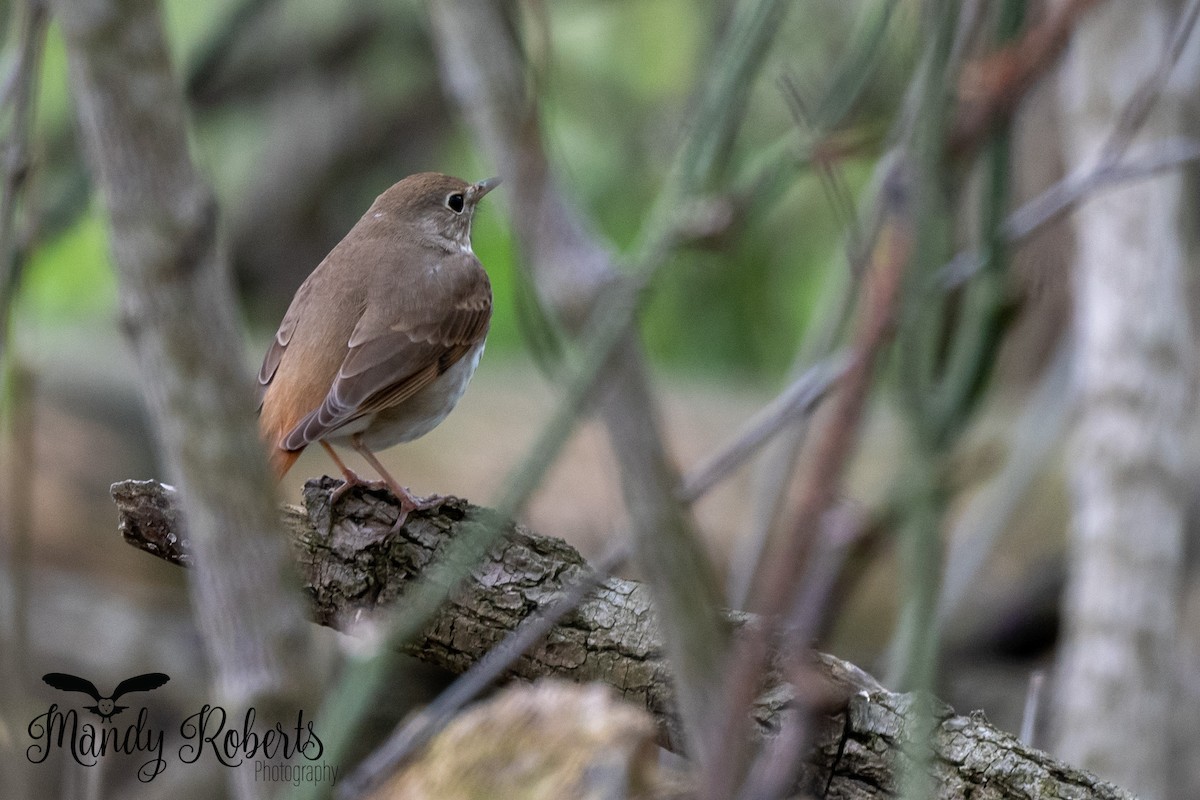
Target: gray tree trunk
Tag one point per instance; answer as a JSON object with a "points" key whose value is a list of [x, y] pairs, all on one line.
{"points": [[178, 309], [1135, 367]]}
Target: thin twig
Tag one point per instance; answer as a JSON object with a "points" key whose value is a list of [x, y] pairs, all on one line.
{"points": [[1037, 431], [777, 584], [779, 762], [1137, 109], [991, 87], [796, 402], [1033, 704], [777, 467], [1061, 197], [1069, 192], [414, 733], [15, 152], [833, 182]]}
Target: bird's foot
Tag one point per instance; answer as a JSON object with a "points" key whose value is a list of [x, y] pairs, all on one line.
{"points": [[350, 481], [427, 503], [410, 502]]}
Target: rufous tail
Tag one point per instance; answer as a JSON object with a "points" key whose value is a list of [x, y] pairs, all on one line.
{"points": [[282, 460]]}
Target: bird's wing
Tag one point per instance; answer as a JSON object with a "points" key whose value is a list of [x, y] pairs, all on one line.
{"points": [[71, 683], [397, 349], [283, 337], [140, 683]]}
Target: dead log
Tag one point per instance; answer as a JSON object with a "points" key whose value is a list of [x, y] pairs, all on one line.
{"points": [[352, 570]]}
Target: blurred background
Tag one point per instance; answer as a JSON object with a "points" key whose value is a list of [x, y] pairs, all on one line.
{"points": [[304, 110]]}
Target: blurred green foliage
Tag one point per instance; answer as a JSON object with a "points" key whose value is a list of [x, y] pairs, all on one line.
{"points": [[70, 276], [614, 80]]}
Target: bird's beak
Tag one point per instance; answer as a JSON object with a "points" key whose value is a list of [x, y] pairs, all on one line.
{"points": [[483, 187]]}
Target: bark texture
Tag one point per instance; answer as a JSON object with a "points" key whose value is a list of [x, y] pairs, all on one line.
{"points": [[860, 728], [1135, 367]]}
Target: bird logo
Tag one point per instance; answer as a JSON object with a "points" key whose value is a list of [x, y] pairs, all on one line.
{"points": [[106, 707]]}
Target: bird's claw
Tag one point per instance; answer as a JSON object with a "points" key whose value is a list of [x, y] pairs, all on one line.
{"points": [[351, 481], [410, 502]]}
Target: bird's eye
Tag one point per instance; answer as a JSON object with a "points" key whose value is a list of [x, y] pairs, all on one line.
{"points": [[455, 202]]}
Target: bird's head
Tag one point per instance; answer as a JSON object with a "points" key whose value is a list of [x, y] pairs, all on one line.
{"points": [[433, 206]]}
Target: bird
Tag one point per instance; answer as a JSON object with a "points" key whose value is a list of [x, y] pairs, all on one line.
{"points": [[381, 340], [106, 707]]}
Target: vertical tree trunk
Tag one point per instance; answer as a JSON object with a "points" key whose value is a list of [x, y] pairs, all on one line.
{"points": [[180, 314], [1135, 367]]}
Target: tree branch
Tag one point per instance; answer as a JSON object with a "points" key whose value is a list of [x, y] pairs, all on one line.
{"points": [[351, 570], [20, 95], [483, 68]]}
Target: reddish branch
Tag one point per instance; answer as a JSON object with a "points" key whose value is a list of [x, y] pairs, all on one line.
{"points": [[991, 86], [781, 573]]}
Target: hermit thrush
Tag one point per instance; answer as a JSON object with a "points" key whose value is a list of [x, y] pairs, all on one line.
{"points": [[381, 339]]}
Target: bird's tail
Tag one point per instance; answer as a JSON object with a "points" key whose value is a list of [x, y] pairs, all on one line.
{"points": [[282, 460]]}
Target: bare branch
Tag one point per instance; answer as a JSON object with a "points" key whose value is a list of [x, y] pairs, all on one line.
{"points": [[21, 91], [1137, 109], [1033, 705], [992, 87], [1108, 170], [796, 402], [483, 67], [779, 579], [1066, 194]]}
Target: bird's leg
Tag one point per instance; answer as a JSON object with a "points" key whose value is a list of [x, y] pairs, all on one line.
{"points": [[408, 501], [350, 477]]}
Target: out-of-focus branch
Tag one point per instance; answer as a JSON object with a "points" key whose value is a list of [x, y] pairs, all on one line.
{"points": [[352, 570], [416, 731], [483, 67], [794, 403], [1136, 110], [773, 477], [16, 540], [179, 312], [18, 96], [20, 93], [991, 87], [1069, 193], [779, 581]]}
